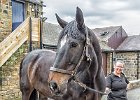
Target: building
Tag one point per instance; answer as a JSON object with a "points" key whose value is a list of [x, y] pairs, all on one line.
{"points": [[112, 36], [14, 12], [13, 15], [115, 45], [129, 52]]}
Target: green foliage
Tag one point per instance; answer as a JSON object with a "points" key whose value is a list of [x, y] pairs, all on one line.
{"points": [[9, 75]]}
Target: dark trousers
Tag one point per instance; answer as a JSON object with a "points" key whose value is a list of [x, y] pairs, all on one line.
{"points": [[111, 97]]}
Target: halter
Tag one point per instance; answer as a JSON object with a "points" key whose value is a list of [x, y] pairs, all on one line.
{"points": [[73, 73]]}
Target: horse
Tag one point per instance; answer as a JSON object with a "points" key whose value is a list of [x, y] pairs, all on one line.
{"points": [[78, 62], [34, 73]]}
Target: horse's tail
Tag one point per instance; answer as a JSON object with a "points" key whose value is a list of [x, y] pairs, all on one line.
{"points": [[34, 95]]}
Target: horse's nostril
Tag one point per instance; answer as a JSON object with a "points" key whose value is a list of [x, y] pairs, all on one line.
{"points": [[53, 85], [54, 88]]}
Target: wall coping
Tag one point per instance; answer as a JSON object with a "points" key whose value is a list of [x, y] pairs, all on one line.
{"points": [[134, 84]]}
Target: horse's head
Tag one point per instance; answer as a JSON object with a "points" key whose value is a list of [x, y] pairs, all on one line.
{"points": [[72, 49]]}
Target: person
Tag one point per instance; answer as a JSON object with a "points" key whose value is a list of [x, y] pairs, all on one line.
{"points": [[117, 83]]}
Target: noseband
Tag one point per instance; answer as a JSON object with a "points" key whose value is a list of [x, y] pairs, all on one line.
{"points": [[72, 74]]}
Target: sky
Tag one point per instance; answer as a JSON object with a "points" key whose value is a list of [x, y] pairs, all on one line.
{"points": [[97, 13]]}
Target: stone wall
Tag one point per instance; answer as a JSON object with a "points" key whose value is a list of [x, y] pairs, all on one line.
{"points": [[131, 64], [6, 16], [33, 10], [134, 84], [5, 19], [109, 63], [10, 75], [9, 78]]}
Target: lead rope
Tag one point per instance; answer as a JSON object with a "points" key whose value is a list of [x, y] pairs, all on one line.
{"points": [[86, 87], [86, 48]]}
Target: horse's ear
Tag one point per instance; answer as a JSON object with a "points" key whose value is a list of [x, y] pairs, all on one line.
{"points": [[61, 22], [79, 18]]}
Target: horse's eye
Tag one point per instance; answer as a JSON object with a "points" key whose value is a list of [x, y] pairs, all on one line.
{"points": [[73, 44]]}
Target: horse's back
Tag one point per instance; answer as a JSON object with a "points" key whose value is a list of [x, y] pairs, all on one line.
{"points": [[37, 62]]}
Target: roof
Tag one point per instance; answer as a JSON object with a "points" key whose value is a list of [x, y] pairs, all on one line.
{"points": [[106, 32], [50, 33], [131, 43]]}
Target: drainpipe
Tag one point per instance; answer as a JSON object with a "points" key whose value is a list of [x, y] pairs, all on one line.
{"points": [[137, 65], [42, 20], [41, 30], [30, 36], [113, 60]]}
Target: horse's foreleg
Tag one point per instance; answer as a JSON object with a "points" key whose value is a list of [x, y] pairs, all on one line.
{"points": [[42, 97], [26, 95]]}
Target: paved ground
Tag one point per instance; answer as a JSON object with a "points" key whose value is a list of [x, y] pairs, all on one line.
{"points": [[131, 94], [134, 94]]}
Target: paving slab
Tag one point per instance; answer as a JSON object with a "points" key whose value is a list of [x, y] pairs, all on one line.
{"points": [[133, 94]]}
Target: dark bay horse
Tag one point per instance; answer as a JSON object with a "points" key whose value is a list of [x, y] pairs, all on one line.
{"points": [[34, 71], [78, 62]]}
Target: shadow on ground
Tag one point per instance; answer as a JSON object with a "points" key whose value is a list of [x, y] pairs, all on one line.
{"points": [[131, 94]]}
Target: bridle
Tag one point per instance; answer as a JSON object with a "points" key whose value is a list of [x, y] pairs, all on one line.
{"points": [[85, 52], [72, 74]]}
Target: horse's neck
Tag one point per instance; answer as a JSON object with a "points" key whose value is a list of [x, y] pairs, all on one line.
{"points": [[86, 75]]}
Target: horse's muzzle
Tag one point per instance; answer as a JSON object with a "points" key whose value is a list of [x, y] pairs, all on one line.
{"points": [[57, 91]]}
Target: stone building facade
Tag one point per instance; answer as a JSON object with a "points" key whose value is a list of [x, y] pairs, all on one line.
{"points": [[10, 75], [126, 51], [129, 52], [132, 62], [31, 8], [5, 19], [9, 72]]}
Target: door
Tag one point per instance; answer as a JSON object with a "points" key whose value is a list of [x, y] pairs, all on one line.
{"points": [[17, 14], [104, 56]]}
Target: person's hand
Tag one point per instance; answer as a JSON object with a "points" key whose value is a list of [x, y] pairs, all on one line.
{"points": [[129, 86], [107, 90]]}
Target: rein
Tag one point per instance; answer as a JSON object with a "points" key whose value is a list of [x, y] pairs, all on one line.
{"points": [[87, 87]]}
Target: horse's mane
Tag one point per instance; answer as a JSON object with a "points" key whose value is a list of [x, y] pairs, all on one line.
{"points": [[71, 30]]}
